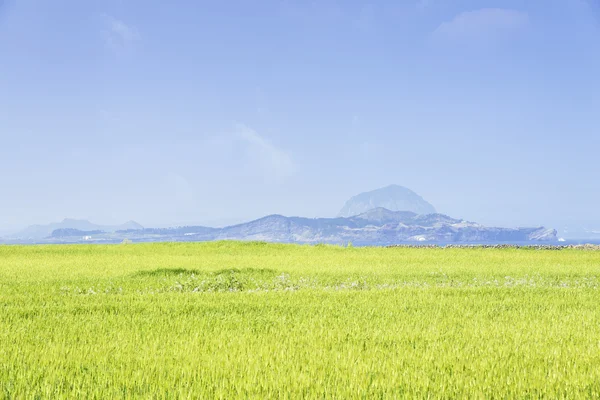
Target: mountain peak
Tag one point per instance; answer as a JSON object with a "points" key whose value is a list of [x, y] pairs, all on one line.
{"points": [[131, 225], [392, 197]]}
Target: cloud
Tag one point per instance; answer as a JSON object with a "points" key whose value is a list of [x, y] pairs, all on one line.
{"points": [[365, 19], [590, 9], [423, 5], [482, 24], [118, 35], [273, 161], [312, 12]]}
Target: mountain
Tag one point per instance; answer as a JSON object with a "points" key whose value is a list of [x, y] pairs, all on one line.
{"points": [[43, 231], [378, 227], [392, 198]]}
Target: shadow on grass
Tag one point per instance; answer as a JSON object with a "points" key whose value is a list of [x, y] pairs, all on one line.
{"points": [[166, 272], [160, 272]]}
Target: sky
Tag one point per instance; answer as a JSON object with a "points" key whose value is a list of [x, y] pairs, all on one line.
{"points": [[212, 112]]}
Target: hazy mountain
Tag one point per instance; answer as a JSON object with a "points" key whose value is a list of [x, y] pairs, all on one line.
{"points": [[393, 198], [43, 231], [378, 226]]}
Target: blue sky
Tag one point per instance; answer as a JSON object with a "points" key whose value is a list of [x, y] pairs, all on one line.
{"points": [[190, 112]]}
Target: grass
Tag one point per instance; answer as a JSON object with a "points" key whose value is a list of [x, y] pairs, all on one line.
{"points": [[255, 320]]}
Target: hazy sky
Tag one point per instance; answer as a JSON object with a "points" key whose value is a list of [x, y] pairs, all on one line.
{"points": [[199, 111]]}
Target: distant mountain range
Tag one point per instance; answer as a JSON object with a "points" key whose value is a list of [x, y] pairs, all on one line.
{"points": [[375, 227], [43, 231], [373, 224], [378, 226]]}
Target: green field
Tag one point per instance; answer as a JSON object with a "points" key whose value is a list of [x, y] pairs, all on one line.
{"points": [[239, 320]]}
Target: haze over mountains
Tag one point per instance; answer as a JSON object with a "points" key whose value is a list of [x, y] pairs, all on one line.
{"points": [[393, 214], [393, 198], [44, 231]]}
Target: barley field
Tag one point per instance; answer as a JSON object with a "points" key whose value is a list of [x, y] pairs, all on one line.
{"points": [[254, 320]]}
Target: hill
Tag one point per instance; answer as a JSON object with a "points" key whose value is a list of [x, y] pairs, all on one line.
{"points": [[378, 226]]}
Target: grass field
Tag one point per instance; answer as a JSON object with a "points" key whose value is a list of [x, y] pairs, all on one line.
{"points": [[242, 320]]}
